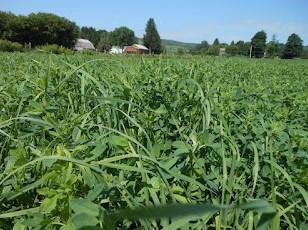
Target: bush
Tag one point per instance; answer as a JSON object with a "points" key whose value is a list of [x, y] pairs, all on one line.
{"points": [[213, 50], [55, 49], [8, 46]]}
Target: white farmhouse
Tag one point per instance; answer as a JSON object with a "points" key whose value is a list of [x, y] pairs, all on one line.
{"points": [[116, 50]]}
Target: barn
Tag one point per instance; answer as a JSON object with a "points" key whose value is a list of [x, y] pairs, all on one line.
{"points": [[136, 49], [83, 44]]}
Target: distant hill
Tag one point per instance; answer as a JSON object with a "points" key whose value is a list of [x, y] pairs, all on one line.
{"points": [[172, 46]]}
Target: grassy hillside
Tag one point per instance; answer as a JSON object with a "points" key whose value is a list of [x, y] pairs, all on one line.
{"points": [[172, 46]]}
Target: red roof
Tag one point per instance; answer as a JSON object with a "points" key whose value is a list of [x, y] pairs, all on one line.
{"points": [[131, 49]]}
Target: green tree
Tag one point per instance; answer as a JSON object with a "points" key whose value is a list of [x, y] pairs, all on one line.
{"points": [[151, 38], [201, 48], [272, 48], [104, 44], [258, 43], [122, 36], [42, 28], [6, 25], [91, 34], [305, 52], [232, 49], [13, 28], [216, 42], [243, 47], [213, 50], [293, 47]]}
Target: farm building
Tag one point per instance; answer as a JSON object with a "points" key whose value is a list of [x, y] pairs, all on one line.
{"points": [[136, 49], [222, 51], [83, 44], [116, 50]]}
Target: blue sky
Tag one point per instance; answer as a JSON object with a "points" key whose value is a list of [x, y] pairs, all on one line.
{"points": [[183, 20]]}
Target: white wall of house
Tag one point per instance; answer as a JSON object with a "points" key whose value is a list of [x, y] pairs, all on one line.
{"points": [[116, 50]]}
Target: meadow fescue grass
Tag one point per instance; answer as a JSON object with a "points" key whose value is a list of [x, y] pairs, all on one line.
{"points": [[158, 142]]}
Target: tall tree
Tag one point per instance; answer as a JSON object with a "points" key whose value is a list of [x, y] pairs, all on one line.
{"points": [[305, 52], [294, 47], [6, 28], [272, 48], [232, 49], [104, 43], [123, 36], [151, 38], [216, 42], [258, 43], [91, 34], [243, 48], [203, 47]]}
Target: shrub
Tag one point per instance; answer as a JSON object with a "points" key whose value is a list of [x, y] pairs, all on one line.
{"points": [[55, 49], [8, 46]]}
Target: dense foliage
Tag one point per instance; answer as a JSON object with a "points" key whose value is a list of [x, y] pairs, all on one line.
{"points": [[8, 46], [104, 44], [39, 29], [92, 34], [85, 136], [123, 36], [239, 48], [273, 48], [201, 48], [294, 47], [258, 44]]}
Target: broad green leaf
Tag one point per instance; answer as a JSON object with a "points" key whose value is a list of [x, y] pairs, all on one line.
{"points": [[82, 220], [94, 193], [181, 147], [49, 204], [118, 141], [161, 110], [19, 226], [81, 206]]}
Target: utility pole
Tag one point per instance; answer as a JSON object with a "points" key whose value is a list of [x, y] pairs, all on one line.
{"points": [[250, 51]]}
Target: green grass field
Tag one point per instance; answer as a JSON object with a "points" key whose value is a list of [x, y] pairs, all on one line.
{"points": [[109, 142]]}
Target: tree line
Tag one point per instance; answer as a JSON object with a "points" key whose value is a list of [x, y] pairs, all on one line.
{"points": [[258, 47], [39, 29], [123, 36], [45, 28]]}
